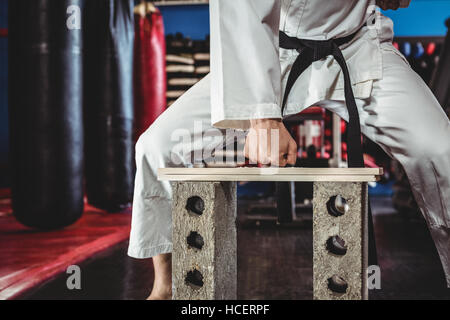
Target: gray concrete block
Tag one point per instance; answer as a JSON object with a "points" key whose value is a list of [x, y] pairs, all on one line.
{"points": [[352, 228], [204, 245]]}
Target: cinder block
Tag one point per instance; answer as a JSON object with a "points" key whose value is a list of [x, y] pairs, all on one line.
{"points": [[331, 257], [204, 265]]}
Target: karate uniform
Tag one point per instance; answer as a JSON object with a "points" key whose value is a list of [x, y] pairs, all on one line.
{"points": [[248, 78]]}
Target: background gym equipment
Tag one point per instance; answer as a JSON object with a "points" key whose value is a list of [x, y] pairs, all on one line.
{"points": [[108, 103], [441, 79], [45, 107], [187, 63], [4, 125], [149, 67]]}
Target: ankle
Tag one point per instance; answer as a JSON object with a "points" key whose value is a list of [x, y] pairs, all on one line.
{"points": [[163, 283]]}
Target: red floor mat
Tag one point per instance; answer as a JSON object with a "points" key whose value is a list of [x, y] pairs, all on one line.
{"points": [[29, 257]]}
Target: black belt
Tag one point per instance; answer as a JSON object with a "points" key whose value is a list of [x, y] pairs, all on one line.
{"points": [[314, 50]]}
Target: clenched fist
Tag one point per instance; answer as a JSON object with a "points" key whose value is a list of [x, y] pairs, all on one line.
{"points": [[269, 143]]}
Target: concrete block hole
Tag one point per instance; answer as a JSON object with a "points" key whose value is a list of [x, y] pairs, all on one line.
{"points": [[195, 240], [337, 284], [194, 278], [337, 206], [195, 205], [336, 245]]}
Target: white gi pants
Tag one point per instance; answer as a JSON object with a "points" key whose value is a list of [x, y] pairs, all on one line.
{"points": [[401, 115]]}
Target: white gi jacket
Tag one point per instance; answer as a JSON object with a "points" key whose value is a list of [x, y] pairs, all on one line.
{"points": [[249, 71]]}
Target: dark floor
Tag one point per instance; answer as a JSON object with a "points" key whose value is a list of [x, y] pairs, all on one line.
{"points": [[276, 263]]}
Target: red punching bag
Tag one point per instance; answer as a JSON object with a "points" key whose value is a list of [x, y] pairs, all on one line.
{"points": [[149, 67]]}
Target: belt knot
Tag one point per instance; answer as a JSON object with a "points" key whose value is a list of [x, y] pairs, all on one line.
{"points": [[319, 48]]}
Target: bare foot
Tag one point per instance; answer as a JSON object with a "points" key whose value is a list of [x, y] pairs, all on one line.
{"points": [[162, 286]]}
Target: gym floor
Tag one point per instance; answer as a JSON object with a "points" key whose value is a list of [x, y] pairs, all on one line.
{"points": [[276, 263]]}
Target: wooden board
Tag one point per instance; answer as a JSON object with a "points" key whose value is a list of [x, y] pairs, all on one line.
{"points": [[270, 174]]}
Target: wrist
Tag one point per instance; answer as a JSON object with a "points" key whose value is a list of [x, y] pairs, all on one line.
{"points": [[254, 122]]}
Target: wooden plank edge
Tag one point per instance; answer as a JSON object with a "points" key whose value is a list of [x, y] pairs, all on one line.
{"points": [[270, 171], [303, 178]]}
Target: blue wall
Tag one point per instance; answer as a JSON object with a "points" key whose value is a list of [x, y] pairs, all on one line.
{"points": [[422, 18], [192, 20]]}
